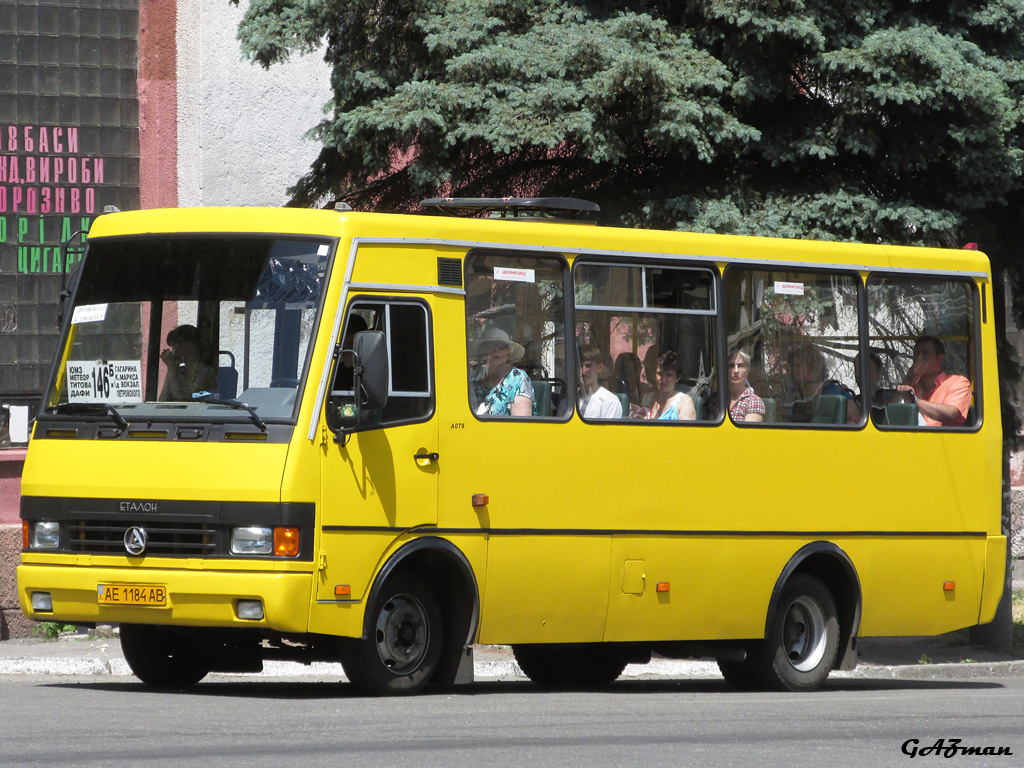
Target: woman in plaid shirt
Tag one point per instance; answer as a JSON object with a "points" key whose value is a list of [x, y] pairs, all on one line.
{"points": [[744, 405]]}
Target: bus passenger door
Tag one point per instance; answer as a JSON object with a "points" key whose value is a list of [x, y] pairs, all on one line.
{"points": [[382, 481]]}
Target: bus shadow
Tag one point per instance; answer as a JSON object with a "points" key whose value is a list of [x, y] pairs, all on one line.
{"points": [[299, 690]]}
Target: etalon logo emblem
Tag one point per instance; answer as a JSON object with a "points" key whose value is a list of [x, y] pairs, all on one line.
{"points": [[135, 539]]}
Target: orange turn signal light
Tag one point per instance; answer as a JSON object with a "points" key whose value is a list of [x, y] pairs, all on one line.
{"points": [[662, 586], [286, 542], [481, 499], [342, 590], [949, 586], [24, 534]]}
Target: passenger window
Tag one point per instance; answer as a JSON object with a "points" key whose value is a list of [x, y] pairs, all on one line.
{"points": [[800, 332], [406, 328], [515, 333], [921, 333], [645, 334]]}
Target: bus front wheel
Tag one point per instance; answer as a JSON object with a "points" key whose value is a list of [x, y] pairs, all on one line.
{"points": [[163, 658], [403, 649], [802, 641]]}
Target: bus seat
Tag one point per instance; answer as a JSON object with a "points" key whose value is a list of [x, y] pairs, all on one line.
{"points": [[227, 377], [542, 395], [769, 409], [624, 401], [698, 406], [901, 414], [831, 409]]}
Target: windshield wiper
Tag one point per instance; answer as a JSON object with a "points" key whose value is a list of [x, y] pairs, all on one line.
{"points": [[213, 397], [90, 408]]}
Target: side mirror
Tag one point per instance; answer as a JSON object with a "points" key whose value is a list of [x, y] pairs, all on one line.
{"points": [[371, 370]]}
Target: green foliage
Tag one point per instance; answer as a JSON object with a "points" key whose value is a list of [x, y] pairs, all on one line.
{"points": [[53, 630], [845, 119]]}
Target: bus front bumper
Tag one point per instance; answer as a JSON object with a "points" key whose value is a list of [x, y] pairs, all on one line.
{"points": [[193, 598]]}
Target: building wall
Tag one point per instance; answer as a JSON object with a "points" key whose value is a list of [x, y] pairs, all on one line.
{"points": [[240, 128]]}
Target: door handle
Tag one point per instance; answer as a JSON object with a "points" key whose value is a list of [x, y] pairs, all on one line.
{"points": [[427, 457]]}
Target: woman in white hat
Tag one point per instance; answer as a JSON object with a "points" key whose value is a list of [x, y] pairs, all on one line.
{"points": [[501, 390]]}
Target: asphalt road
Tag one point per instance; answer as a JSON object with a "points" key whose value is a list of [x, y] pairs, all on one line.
{"points": [[231, 722]]}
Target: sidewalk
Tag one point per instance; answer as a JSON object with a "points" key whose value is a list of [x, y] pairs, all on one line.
{"points": [[77, 655]]}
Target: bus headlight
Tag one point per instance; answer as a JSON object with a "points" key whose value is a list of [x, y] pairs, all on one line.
{"points": [[252, 540], [45, 535]]}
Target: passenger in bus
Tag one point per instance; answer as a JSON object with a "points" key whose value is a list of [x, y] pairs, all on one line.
{"points": [[744, 404], [669, 403], [627, 382], [875, 396], [942, 399], [809, 377], [595, 402], [499, 388], [186, 373], [650, 368]]}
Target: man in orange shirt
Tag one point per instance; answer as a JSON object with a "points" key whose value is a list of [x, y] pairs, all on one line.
{"points": [[942, 399]]}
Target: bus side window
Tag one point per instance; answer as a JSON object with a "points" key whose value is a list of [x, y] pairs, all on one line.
{"points": [[922, 340], [631, 320], [515, 335], [800, 335], [406, 330]]}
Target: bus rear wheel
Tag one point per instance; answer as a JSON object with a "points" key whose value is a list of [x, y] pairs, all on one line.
{"points": [[802, 641], [584, 666], [403, 649], [163, 658]]}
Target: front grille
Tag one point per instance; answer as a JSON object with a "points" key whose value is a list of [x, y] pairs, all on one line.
{"points": [[99, 537]]}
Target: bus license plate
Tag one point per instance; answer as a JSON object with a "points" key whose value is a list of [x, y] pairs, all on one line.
{"points": [[131, 594]]}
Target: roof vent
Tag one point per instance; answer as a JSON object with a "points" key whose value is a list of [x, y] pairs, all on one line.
{"points": [[341, 205], [534, 208]]}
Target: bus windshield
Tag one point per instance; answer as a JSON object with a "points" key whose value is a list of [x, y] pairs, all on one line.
{"points": [[190, 327]]}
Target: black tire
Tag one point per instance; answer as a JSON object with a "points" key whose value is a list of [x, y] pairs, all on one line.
{"points": [[739, 674], [405, 639], [580, 667], [162, 657], [802, 641]]}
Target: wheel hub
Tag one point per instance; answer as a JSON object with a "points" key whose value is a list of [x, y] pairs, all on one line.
{"points": [[803, 634], [402, 634]]}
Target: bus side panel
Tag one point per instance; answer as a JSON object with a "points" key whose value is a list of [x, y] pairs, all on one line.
{"points": [[902, 581], [538, 594], [715, 587], [720, 587]]}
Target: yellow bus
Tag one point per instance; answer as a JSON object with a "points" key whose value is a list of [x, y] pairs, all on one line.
{"points": [[382, 439]]}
